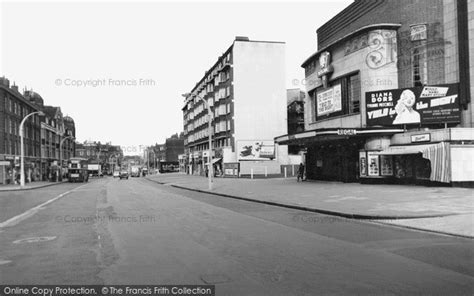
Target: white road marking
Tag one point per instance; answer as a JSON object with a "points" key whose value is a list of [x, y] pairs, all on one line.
{"points": [[2, 262], [34, 239], [18, 218]]}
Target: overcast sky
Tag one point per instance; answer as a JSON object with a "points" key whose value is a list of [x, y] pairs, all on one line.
{"points": [[119, 68]]}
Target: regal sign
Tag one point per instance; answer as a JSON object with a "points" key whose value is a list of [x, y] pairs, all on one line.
{"points": [[346, 132], [325, 67], [416, 105]]}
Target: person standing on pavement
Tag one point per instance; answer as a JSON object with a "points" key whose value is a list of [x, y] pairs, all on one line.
{"points": [[300, 172]]}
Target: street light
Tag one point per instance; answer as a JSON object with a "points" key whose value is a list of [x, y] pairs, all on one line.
{"points": [[154, 158], [209, 114], [22, 152], [61, 156]]}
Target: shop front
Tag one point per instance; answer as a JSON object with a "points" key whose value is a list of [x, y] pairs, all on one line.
{"points": [[424, 157], [10, 170], [197, 163], [411, 164], [333, 154], [183, 161]]}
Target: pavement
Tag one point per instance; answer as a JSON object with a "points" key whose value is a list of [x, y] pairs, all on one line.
{"points": [[138, 232], [440, 209], [28, 186]]}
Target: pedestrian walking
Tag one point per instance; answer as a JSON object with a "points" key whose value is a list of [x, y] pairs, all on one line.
{"points": [[300, 172]]}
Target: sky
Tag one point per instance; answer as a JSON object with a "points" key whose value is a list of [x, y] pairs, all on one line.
{"points": [[119, 68]]}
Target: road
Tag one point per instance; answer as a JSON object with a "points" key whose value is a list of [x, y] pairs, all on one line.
{"points": [[135, 231]]}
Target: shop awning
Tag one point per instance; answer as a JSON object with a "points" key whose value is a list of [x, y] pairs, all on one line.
{"points": [[438, 155], [400, 150], [214, 160]]}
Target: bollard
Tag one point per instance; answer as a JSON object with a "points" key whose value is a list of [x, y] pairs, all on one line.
{"points": [[266, 174], [251, 173], [293, 169], [285, 173]]}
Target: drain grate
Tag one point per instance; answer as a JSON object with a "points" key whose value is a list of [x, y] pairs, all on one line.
{"points": [[34, 239]]}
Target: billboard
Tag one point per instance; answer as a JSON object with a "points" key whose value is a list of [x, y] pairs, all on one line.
{"points": [[256, 150], [415, 105], [329, 101]]}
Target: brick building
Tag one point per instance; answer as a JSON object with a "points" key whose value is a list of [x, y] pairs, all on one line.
{"points": [[174, 146], [13, 108], [389, 94], [165, 156], [295, 115]]}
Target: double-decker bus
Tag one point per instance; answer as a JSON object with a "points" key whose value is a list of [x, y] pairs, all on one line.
{"points": [[77, 170]]}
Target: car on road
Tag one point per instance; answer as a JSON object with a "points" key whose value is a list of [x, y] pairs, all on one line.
{"points": [[123, 175], [116, 174]]}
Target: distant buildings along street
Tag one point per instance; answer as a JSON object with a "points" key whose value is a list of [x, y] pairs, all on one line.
{"points": [[108, 156], [167, 157]]}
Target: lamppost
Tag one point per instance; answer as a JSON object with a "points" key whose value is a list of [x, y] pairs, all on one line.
{"points": [[154, 158], [209, 126], [22, 152], [61, 156]]}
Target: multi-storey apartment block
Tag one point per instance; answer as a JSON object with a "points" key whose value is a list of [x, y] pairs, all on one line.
{"points": [[246, 91]]}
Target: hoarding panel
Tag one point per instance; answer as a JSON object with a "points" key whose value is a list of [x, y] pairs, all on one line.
{"points": [[416, 105], [256, 150], [329, 101]]}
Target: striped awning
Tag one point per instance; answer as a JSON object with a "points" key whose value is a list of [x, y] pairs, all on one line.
{"points": [[437, 154], [440, 158]]}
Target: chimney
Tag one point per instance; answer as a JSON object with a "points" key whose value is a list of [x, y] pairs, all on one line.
{"points": [[4, 81], [14, 87], [242, 38]]}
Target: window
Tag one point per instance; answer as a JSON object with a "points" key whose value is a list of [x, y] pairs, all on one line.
{"points": [[353, 92], [222, 110], [310, 68], [342, 97], [420, 71]]}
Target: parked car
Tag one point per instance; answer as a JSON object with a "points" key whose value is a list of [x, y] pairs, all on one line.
{"points": [[116, 174], [123, 175]]}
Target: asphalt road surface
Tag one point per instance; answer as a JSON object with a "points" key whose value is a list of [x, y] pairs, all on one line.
{"points": [[135, 231]]}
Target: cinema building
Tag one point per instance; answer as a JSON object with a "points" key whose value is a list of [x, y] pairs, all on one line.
{"points": [[389, 94]]}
